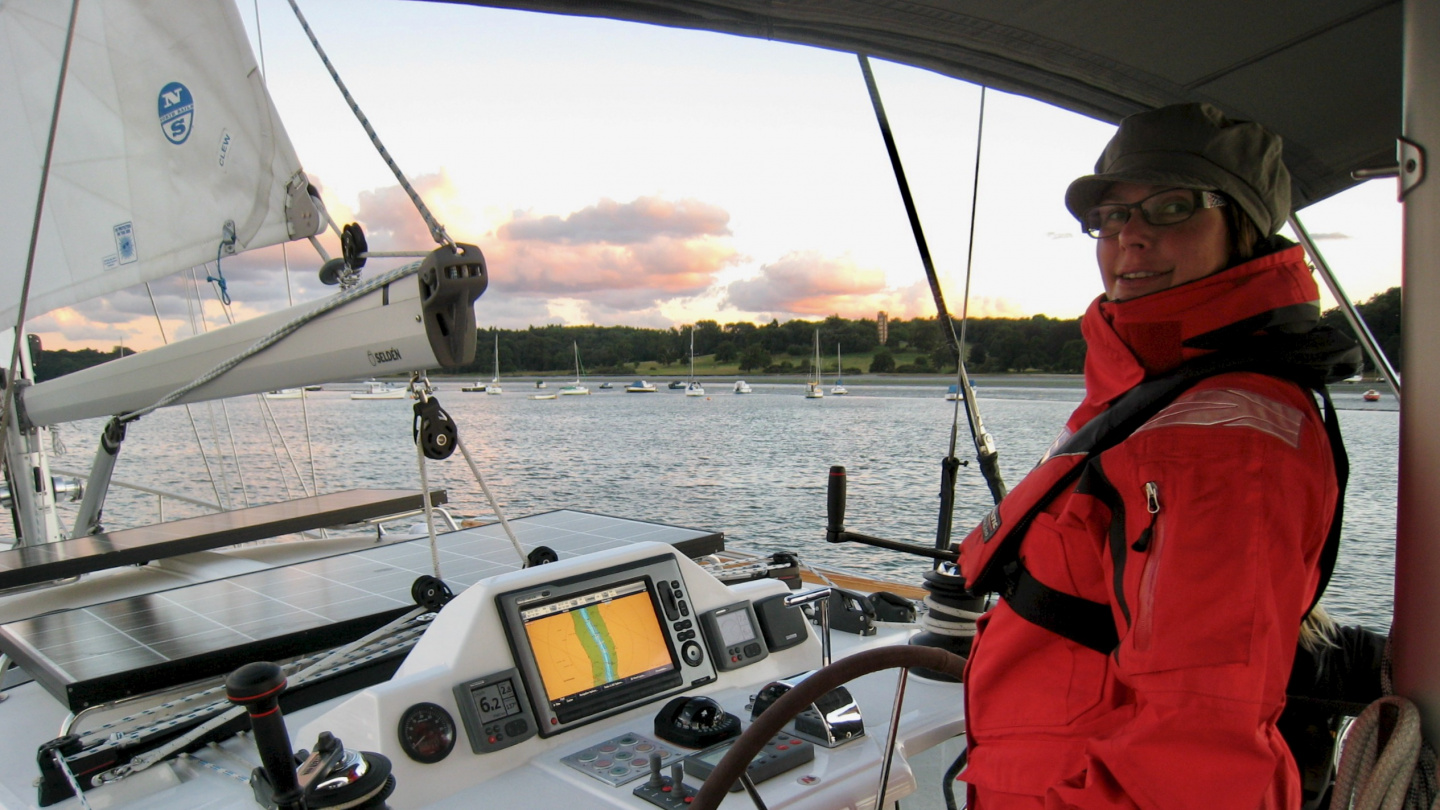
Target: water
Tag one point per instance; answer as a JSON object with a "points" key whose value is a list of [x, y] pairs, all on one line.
{"points": [[754, 467]]}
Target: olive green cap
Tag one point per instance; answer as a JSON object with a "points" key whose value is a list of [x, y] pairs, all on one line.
{"points": [[1193, 146]]}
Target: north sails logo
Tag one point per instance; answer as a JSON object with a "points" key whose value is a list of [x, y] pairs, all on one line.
{"points": [[387, 356], [177, 112]]}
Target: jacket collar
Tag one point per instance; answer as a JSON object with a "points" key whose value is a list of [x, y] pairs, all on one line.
{"points": [[1128, 341]]}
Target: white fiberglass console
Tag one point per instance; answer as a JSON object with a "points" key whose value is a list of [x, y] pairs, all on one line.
{"points": [[513, 667]]}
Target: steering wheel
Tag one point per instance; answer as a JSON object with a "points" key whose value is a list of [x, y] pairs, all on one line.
{"points": [[770, 721]]}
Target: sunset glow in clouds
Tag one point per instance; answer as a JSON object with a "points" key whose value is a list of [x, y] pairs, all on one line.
{"points": [[624, 174]]}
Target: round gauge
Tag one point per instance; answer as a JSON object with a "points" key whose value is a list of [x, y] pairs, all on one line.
{"points": [[427, 732]]}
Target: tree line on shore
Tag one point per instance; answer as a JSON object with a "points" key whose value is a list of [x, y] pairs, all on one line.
{"points": [[914, 346]]}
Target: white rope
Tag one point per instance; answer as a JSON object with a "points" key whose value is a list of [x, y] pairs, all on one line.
{"points": [[429, 508], [153, 756], [70, 777], [963, 628], [817, 572], [494, 504], [223, 771]]}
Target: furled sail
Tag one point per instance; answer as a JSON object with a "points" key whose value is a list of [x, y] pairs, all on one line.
{"points": [[166, 134]]}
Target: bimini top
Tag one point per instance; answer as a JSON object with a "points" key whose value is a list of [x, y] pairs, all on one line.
{"points": [[1325, 76]]}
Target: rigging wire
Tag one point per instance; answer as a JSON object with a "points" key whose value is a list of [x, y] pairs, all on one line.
{"points": [[961, 379], [984, 444], [489, 496], [209, 474], [314, 487], [437, 231], [199, 325], [429, 507]]}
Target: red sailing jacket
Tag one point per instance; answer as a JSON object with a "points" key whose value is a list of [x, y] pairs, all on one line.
{"points": [[1235, 484]]}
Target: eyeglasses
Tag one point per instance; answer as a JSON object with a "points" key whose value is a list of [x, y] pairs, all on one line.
{"points": [[1169, 207]]}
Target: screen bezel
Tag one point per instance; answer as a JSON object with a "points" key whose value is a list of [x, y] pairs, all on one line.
{"points": [[557, 715]]}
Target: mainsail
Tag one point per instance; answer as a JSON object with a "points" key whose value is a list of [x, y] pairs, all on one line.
{"points": [[167, 139]]}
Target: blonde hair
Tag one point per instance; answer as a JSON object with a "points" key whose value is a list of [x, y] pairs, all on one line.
{"points": [[1318, 631]]}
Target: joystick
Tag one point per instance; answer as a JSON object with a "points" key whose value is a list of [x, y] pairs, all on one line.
{"points": [[669, 792]]}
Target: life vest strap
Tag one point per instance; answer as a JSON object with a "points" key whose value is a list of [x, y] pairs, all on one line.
{"points": [[1089, 624]]}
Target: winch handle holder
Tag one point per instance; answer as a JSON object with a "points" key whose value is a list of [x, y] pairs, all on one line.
{"points": [[257, 687]]}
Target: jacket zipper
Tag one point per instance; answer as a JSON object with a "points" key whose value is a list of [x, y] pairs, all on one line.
{"points": [[1150, 540]]}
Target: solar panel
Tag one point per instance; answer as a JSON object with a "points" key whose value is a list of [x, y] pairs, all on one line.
{"points": [[31, 565], [104, 652]]}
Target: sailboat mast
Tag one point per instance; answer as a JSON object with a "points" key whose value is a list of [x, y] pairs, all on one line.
{"points": [[27, 467]]}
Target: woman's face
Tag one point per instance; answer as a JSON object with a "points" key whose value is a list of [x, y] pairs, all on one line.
{"points": [[1144, 258]]}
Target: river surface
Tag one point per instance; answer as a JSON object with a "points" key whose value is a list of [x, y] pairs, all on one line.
{"points": [[754, 467]]}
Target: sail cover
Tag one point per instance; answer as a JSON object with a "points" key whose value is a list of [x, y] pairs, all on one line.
{"points": [[166, 133]]}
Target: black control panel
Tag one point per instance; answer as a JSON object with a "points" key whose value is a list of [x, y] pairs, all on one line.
{"points": [[677, 611], [734, 636], [495, 711]]}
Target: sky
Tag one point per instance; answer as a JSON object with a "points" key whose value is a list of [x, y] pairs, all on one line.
{"points": [[616, 174]]}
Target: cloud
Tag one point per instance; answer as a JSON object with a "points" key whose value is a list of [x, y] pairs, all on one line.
{"points": [[985, 306], [614, 256], [608, 222], [390, 219], [809, 283]]}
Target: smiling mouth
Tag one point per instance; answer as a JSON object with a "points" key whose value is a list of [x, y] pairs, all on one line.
{"points": [[1140, 275]]}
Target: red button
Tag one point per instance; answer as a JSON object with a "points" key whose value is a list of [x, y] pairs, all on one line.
{"points": [[783, 747], [689, 799], [665, 789], [492, 739]]}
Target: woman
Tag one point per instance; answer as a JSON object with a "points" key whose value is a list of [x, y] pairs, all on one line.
{"points": [[1183, 558]]}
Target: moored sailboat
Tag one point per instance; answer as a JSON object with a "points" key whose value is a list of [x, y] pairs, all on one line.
{"points": [[494, 386], [576, 388], [839, 389], [813, 387], [693, 388]]}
